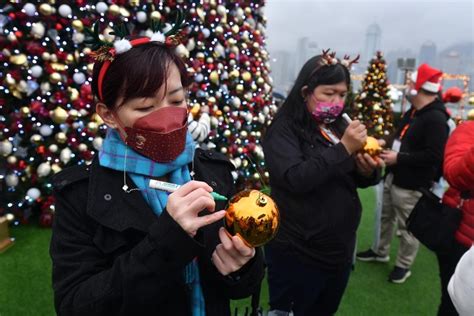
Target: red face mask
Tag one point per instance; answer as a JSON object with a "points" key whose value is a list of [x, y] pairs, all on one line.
{"points": [[160, 135]]}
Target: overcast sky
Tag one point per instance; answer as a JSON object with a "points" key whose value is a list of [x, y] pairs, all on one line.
{"points": [[341, 25]]}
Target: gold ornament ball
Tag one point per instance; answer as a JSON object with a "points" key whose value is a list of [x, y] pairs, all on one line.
{"points": [[59, 115], [114, 9], [239, 88], [25, 111], [253, 216], [46, 9], [12, 160], [372, 147], [155, 15], [92, 126], [234, 74], [470, 115], [61, 137], [18, 59], [78, 25], [36, 139], [82, 147], [214, 77], [246, 76], [471, 100], [73, 114], [55, 77], [55, 168]]}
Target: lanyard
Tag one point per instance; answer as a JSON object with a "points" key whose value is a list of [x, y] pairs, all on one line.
{"points": [[405, 128], [329, 135]]}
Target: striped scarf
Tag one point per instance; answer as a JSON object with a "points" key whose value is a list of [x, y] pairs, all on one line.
{"points": [[115, 154]]}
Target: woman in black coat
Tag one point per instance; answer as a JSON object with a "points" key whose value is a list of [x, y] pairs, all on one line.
{"points": [[120, 247], [311, 155]]}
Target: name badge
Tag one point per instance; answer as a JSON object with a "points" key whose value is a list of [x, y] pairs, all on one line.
{"points": [[396, 145]]}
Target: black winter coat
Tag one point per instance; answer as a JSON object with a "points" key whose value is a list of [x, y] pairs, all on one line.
{"points": [[420, 160], [314, 184], [113, 256]]}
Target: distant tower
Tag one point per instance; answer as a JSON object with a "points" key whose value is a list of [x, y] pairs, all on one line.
{"points": [[306, 50], [428, 54], [372, 41]]}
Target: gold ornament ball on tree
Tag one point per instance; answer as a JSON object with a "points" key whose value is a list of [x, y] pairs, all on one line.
{"points": [[59, 115], [372, 147], [470, 115], [55, 77], [61, 137], [253, 216]]}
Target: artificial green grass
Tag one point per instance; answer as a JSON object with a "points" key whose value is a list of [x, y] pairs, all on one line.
{"points": [[25, 282]]}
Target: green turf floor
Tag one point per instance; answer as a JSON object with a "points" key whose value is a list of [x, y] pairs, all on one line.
{"points": [[25, 282]]}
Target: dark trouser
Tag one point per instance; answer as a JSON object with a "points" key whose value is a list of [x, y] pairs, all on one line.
{"points": [[447, 264], [305, 289]]}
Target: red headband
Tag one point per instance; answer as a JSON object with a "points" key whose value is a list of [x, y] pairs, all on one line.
{"points": [[106, 64]]}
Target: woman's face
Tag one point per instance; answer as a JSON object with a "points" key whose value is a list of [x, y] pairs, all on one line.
{"points": [[333, 93], [133, 109]]}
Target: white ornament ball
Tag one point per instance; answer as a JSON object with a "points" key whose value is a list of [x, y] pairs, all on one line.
{"points": [[11, 180], [236, 102], [29, 9], [97, 143], [33, 193], [37, 30], [65, 155], [36, 71], [53, 148], [141, 17], [46, 130], [79, 77], [43, 169], [101, 7], [78, 37], [206, 32], [65, 10], [5, 148]]}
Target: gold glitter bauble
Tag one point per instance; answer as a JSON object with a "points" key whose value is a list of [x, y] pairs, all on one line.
{"points": [[56, 168], [78, 25], [45, 9], [114, 9], [18, 59], [253, 216], [470, 115], [55, 77], [92, 126], [372, 147], [12, 160], [214, 77], [59, 115], [155, 15], [25, 111], [61, 137], [246, 76], [36, 139]]}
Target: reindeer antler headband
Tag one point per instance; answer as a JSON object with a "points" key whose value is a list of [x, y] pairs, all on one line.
{"points": [[330, 59], [105, 51]]}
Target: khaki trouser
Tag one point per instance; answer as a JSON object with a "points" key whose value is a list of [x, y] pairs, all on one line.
{"points": [[397, 206]]}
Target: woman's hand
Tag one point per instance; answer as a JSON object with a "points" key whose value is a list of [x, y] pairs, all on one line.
{"points": [[185, 204], [389, 157], [366, 164], [354, 137], [231, 254]]}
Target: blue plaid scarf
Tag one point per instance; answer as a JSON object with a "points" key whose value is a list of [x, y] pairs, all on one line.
{"points": [[115, 154]]}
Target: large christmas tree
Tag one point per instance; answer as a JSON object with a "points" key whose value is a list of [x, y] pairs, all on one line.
{"points": [[373, 105], [47, 119]]}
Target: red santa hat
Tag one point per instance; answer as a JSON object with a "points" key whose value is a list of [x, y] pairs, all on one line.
{"points": [[453, 95], [427, 78]]}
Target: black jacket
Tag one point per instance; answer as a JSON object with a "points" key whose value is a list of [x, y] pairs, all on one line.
{"points": [[420, 160], [113, 256], [314, 184]]}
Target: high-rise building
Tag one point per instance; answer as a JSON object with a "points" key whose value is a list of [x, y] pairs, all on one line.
{"points": [[306, 50], [372, 42], [282, 70], [428, 54]]}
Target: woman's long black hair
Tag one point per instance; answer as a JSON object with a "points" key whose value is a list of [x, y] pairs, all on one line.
{"points": [[311, 75]]}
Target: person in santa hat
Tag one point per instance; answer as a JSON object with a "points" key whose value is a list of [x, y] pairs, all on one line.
{"points": [[415, 161]]}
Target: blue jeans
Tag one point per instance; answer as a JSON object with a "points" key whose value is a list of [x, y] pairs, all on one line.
{"points": [[302, 288]]}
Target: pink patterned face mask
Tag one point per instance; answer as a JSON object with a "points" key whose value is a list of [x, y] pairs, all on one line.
{"points": [[326, 112]]}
